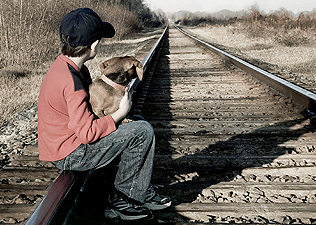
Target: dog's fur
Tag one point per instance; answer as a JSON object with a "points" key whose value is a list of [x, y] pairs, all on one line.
{"points": [[105, 99]]}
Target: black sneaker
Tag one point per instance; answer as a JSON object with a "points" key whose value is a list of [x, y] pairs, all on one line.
{"points": [[119, 207], [154, 201]]}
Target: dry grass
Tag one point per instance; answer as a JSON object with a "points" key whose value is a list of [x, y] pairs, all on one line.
{"points": [[298, 57], [18, 90], [279, 41], [29, 29]]}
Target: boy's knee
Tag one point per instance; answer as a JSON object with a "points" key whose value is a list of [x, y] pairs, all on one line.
{"points": [[146, 127]]}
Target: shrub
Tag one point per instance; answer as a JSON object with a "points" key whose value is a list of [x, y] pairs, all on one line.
{"points": [[29, 29], [282, 25], [292, 38]]}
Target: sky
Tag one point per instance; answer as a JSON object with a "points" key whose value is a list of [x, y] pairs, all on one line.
{"points": [[170, 6]]}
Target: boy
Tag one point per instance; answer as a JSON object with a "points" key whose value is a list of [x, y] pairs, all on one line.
{"points": [[71, 137]]}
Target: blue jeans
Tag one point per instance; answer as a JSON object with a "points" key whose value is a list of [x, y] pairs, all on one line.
{"points": [[134, 142]]}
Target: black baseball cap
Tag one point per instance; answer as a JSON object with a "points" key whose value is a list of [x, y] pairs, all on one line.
{"points": [[84, 26]]}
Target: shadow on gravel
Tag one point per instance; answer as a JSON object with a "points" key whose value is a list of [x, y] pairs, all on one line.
{"points": [[205, 172], [243, 151]]}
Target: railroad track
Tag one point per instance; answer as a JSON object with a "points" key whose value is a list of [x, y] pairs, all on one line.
{"points": [[229, 148]]}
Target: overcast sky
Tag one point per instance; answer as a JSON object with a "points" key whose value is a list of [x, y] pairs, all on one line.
{"points": [[234, 5]]}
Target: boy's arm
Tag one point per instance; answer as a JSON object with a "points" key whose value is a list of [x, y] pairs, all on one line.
{"points": [[82, 121]]}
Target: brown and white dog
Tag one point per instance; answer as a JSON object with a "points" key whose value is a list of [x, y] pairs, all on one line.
{"points": [[107, 91]]}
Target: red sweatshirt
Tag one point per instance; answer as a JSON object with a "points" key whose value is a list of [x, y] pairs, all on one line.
{"points": [[64, 118]]}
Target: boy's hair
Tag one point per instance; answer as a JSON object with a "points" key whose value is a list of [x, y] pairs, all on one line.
{"points": [[72, 51]]}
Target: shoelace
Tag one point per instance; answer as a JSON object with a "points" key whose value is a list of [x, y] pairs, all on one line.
{"points": [[150, 192], [121, 204]]}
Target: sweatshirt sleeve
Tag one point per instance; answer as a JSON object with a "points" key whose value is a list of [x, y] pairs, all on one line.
{"points": [[82, 122]]}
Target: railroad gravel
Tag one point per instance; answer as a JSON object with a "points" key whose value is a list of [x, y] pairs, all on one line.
{"points": [[18, 133], [264, 177]]}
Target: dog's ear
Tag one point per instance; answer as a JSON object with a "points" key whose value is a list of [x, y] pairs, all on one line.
{"points": [[139, 69]]}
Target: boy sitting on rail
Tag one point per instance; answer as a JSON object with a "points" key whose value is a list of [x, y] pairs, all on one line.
{"points": [[71, 137]]}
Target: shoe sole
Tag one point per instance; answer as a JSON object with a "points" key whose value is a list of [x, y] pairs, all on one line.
{"points": [[114, 214], [156, 207]]}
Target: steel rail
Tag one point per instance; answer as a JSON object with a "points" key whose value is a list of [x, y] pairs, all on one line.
{"points": [[58, 191], [69, 181], [297, 94], [147, 60]]}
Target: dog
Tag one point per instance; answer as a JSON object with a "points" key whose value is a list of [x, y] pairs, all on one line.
{"points": [[107, 91]]}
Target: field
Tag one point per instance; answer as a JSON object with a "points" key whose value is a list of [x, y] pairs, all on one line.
{"points": [[281, 42], [299, 60]]}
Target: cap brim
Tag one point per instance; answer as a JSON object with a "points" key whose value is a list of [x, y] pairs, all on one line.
{"points": [[108, 30]]}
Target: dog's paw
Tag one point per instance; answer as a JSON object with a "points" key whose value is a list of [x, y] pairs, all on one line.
{"points": [[126, 121]]}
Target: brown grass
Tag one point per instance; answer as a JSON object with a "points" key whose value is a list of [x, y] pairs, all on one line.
{"points": [[29, 29], [286, 28], [297, 59], [280, 42], [18, 90]]}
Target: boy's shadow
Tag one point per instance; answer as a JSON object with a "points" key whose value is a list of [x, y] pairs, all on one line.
{"points": [[256, 149]]}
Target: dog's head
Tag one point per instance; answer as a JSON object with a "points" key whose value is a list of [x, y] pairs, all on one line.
{"points": [[122, 70]]}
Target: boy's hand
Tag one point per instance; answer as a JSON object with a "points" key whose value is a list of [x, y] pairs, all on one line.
{"points": [[124, 107]]}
